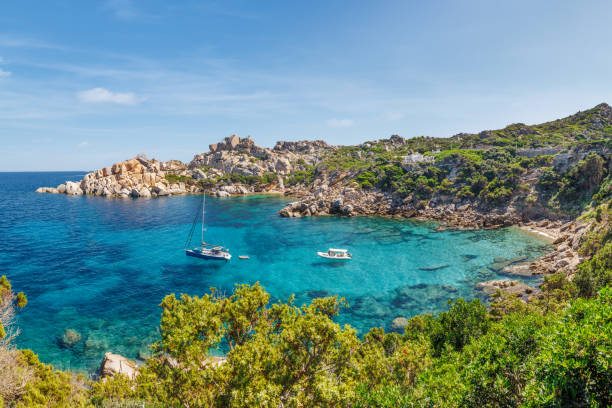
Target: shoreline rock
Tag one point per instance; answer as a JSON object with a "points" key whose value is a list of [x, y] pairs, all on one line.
{"points": [[513, 287], [117, 364]]}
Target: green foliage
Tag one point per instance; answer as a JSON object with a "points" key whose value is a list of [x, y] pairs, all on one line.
{"points": [[117, 390], [174, 178], [383, 397], [474, 156], [555, 292], [22, 300], [50, 387], [582, 180], [283, 355], [5, 285], [277, 355], [305, 177], [366, 179], [494, 368], [250, 180], [459, 325], [595, 273], [574, 365]]}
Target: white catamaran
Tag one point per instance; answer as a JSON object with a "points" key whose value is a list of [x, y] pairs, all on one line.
{"points": [[205, 251]]}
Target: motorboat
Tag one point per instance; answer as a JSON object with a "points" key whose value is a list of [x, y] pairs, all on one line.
{"points": [[336, 254]]}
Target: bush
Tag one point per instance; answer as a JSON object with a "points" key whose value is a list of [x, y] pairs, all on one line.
{"points": [[459, 325], [573, 366], [595, 273]]}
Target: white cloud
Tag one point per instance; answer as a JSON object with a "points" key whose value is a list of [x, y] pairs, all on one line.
{"points": [[4, 73], [339, 123], [123, 9], [83, 144], [393, 116], [97, 95]]}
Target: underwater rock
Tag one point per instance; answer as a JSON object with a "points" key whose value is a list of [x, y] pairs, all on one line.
{"points": [[399, 324], [403, 296], [501, 263], [434, 268], [95, 342], [521, 269], [117, 364], [318, 293], [468, 257], [69, 338], [368, 306]]}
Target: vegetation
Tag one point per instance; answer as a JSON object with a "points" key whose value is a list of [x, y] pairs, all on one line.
{"points": [[232, 178], [174, 179], [305, 177]]}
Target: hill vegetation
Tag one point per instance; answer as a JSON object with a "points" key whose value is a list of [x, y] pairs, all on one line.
{"points": [[526, 163]]}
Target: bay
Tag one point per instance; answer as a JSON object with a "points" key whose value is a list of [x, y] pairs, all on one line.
{"points": [[102, 266]]}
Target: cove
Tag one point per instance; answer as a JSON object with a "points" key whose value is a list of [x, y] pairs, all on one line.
{"points": [[101, 266]]}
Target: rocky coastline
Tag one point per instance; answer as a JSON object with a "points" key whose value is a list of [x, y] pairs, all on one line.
{"points": [[349, 181]]}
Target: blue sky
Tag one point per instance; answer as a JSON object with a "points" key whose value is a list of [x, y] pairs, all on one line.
{"points": [[84, 84]]}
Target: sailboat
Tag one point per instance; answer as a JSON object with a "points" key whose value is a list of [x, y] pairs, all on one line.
{"points": [[205, 251]]}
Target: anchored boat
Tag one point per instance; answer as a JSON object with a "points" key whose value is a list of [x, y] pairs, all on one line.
{"points": [[205, 251], [336, 254]]}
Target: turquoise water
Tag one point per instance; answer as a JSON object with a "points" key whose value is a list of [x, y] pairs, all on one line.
{"points": [[101, 266]]}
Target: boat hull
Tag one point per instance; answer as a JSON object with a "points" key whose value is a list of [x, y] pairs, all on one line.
{"points": [[222, 256], [325, 255]]}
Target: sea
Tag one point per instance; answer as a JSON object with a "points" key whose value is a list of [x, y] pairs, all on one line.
{"points": [[102, 266]]}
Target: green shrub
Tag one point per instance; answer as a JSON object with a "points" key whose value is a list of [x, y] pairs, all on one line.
{"points": [[459, 325], [595, 273], [573, 367]]}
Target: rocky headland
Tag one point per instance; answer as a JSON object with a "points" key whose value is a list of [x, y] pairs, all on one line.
{"points": [[231, 167]]}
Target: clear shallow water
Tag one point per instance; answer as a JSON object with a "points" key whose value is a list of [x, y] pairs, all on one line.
{"points": [[101, 266]]}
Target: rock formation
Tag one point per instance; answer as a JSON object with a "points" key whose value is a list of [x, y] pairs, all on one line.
{"points": [[117, 364], [233, 166]]}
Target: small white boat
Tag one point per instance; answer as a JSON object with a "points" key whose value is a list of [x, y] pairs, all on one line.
{"points": [[336, 254]]}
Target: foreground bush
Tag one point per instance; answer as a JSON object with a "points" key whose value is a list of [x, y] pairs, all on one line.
{"points": [[283, 355]]}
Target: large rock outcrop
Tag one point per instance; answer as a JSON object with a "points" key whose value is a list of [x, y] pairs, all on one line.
{"points": [[242, 156], [117, 364], [228, 164]]}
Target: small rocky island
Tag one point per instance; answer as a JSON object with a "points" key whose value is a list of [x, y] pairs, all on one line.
{"points": [[542, 177]]}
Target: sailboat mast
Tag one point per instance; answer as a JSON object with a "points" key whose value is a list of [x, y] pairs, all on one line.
{"points": [[203, 206]]}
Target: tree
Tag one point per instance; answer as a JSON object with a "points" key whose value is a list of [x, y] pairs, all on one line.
{"points": [[456, 327], [278, 355]]}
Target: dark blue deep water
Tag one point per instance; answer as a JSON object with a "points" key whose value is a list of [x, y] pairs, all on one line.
{"points": [[102, 266]]}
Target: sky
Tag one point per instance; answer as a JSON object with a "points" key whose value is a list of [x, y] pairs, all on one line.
{"points": [[84, 84]]}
